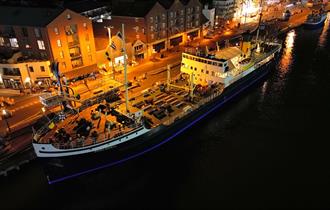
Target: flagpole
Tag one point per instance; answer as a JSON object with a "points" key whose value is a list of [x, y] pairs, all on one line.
{"points": [[125, 68], [111, 55]]}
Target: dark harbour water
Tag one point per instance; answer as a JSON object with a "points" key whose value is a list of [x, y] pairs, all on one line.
{"points": [[269, 148]]}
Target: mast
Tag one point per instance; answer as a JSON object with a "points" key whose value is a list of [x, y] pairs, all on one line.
{"points": [[125, 68], [260, 16]]}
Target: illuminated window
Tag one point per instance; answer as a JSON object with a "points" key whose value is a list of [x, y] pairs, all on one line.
{"points": [[41, 45], [88, 48], [59, 44], [85, 25], [56, 31], [151, 19], [13, 42], [61, 54], [2, 41], [68, 16]]}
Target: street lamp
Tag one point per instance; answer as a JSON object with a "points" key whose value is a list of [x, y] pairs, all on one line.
{"points": [[5, 115]]}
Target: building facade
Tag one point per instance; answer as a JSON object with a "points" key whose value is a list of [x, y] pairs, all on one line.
{"points": [[153, 27], [224, 10], [37, 35]]}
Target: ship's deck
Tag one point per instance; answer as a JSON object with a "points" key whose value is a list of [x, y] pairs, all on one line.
{"points": [[159, 107]]}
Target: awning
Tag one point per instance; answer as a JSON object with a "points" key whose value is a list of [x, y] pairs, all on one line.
{"points": [[81, 71]]}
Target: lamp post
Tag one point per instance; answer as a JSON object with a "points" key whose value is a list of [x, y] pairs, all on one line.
{"points": [[5, 115]]}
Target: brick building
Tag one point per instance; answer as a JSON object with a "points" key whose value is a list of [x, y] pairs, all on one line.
{"points": [[44, 34], [154, 26]]}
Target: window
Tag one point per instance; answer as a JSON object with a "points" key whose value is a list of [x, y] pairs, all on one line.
{"points": [[68, 16], [195, 69], [85, 26], [41, 45], [37, 32], [182, 12], [191, 67], [64, 65], [151, 28], [90, 58], [202, 70], [2, 41], [13, 42], [87, 38], [171, 14], [61, 54], [212, 73], [88, 48], [151, 19], [59, 44], [56, 31], [163, 25], [24, 32], [207, 72], [31, 69], [42, 69], [152, 36]]}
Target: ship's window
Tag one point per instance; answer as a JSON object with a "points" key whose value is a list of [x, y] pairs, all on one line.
{"points": [[220, 64], [209, 62], [191, 67], [215, 63], [207, 72], [195, 69], [202, 70]]}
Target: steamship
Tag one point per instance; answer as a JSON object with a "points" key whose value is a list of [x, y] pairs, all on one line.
{"points": [[108, 132]]}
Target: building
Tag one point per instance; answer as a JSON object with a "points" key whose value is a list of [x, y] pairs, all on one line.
{"points": [[209, 13], [44, 34], [153, 26], [224, 10], [92, 9]]}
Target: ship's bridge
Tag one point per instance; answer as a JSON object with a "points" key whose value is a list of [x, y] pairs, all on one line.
{"points": [[207, 69]]}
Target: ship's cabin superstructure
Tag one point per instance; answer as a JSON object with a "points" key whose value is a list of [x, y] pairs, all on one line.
{"points": [[215, 68]]}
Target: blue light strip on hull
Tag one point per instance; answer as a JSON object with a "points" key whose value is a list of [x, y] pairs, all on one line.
{"points": [[161, 143]]}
